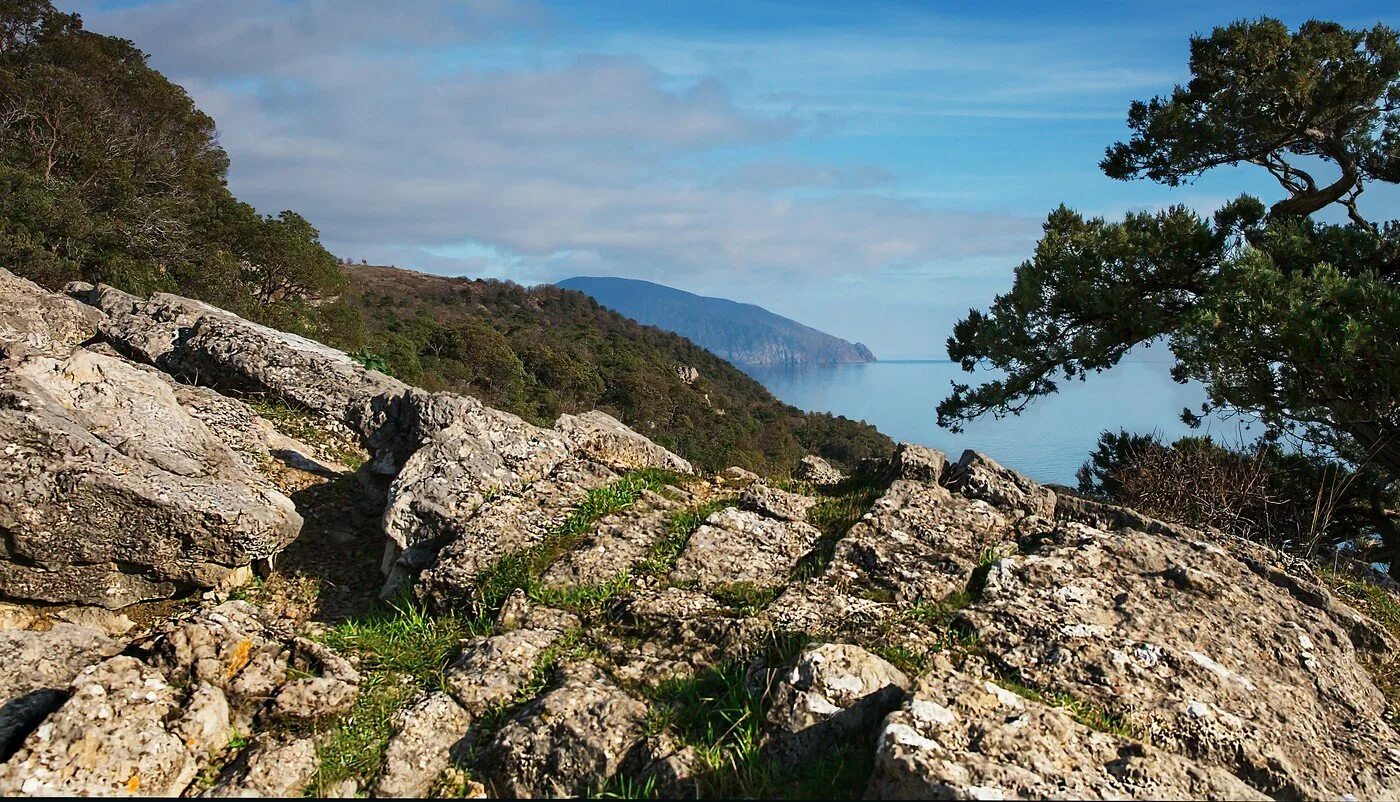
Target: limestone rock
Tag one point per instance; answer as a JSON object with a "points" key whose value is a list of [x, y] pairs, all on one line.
{"points": [[615, 545], [775, 503], [977, 476], [112, 624], [272, 767], [1200, 650], [741, 546], [962, 737], [317, 697], [918, 463], [676, 632], [490, 671], [920, 542], [736, 477], [425, 736], [97, 445], [818, 472], [36, 321], [571, 739], [502, 525], [119, 733], [833, 695], [14, 616], [605, 439], [38, 666]]}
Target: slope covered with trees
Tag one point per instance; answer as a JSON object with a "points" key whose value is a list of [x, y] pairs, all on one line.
{"points": [[110, 173], [540, 351]]}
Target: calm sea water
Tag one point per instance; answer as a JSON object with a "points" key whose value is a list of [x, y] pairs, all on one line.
{"points": [[1047, 442]]}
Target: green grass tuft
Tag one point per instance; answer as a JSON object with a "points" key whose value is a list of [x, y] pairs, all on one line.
{"points": [[834, 516], [1090, 715], [664, 553]]}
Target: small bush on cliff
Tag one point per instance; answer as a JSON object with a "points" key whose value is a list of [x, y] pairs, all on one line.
{"points": [[1290, 500], [1283, 318]]}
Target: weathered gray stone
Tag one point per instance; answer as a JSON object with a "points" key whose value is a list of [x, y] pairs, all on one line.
{"points": [[318, 697], [740, 546], [962, 737], [272, 767], [1206, 653], [677, 632], [977, 476], [38, 667], [736, 477], [569, 740], [493, 669], [118, 734], [833, 696], [96, 445], [615, 545], [919, 542], [14, 616], [502, 525], [425, 736], [112, 624], [817, 472], [775, 503], [603, 438], [918, 463], [36, 321]]}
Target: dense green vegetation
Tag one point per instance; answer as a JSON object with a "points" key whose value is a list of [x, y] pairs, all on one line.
{"points": [[109, 173], [540, 351], [1285, 319]]}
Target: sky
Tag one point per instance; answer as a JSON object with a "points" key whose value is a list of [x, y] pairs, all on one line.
{"points": [[873, 169]]}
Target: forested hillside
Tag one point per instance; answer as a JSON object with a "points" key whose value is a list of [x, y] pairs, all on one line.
{"points": [[110, 173], [543, 350]]}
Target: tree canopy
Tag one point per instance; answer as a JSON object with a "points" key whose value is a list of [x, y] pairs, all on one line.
{"points": [[109, 172], [1282, 317]]}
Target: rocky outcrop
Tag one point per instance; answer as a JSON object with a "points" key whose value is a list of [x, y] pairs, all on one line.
{"points": [[817, 471], [35, 321], [973, 634], [94, 444], [961, 736]]}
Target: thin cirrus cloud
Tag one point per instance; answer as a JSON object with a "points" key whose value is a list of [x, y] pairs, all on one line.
{"points": [[475, 138]]}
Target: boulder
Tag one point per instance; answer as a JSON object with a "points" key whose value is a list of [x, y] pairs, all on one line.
{"points": [[491, 671], [273, 767], [36, 321], [918, 463], [834, 695], [920, 542], [615, 545], [978, 476], [569, 741], [205, 345], [736, 478], [818, 472], [38, 668], [1227, 660], [603, 438], [97, 445], [734, 546], [775, 503], [477, 538], [425, 737], [123, 731], [671, 632], [960, 736]]}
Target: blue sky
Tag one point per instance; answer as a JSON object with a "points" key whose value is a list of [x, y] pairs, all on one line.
{"points": [[873, 169]]}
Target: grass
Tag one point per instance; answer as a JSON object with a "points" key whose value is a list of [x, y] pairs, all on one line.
{"points": [[306, 426], [720, 714], [523, 569], [745, 598], [834, 516], [1090, 715], [402, 652], [1383, 608], [664, 553]]}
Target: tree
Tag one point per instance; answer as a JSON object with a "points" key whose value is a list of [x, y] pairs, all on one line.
{"points": [[114, 175], [1282, 317]]}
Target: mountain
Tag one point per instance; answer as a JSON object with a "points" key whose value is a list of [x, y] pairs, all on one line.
{"points": [[542, 351], [741, 333]]}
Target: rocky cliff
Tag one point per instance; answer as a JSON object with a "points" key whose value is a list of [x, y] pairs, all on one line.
{"points": [[196, 514], [741, 333]]}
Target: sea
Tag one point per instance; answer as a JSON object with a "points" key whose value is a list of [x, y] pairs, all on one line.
{"points": [[1048, 441]]}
